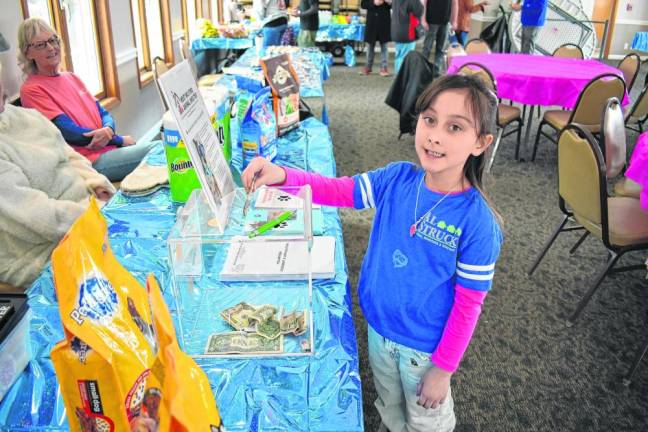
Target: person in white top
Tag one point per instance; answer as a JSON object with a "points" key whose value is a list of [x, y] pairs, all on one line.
{"points": [[44, 185], [273, 18]]}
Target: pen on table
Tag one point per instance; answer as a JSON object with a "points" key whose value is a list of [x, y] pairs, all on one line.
{"points": [[246, 206], [272, 223]]}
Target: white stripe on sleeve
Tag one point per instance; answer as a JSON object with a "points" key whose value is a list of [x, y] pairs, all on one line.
{"points": [[477, 277], [363, 193], [370, 198], [471, 267]]}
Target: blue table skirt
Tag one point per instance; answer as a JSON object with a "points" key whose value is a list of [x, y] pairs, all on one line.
{"points": [[640, 41], [337, 32], [317, 393]]}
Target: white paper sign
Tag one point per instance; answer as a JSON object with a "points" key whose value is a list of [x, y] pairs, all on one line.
{"points": [[188, 108]]}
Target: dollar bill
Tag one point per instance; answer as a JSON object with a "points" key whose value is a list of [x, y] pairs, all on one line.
{"points": [[269, 329], [264, 313], [289, 323], [242, 343], [239, 316]]}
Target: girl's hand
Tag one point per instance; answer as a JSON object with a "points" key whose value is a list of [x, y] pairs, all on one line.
{"points": [[262, 172], [433, 388]]}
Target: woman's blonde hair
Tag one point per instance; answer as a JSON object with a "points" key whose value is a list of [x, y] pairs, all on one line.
{"points": [[27, 30]]}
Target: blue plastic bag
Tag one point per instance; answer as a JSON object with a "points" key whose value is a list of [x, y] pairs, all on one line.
{"points": [[349, 56]]}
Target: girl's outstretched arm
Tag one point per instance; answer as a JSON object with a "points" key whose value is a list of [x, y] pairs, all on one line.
{"points": [[337, 192]]}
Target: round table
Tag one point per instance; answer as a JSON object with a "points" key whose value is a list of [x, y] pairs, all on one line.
{"points": [[538, 80], [638, 167]]}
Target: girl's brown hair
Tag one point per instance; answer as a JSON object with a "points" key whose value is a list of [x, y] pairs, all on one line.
{"points": [[482, 104]]}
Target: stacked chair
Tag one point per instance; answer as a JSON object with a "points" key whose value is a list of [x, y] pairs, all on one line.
{"points": [[506, 114]]}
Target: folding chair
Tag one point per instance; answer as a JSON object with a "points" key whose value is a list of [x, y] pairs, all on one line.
{"points": [[619, 222], [629, 66], [160, 68], [477, 46], [569, 50], [587, 111], [639, 112], [506, 114], [205, 80]]}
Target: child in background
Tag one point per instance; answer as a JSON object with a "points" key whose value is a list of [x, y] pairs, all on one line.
{"points": [[431, 255]]}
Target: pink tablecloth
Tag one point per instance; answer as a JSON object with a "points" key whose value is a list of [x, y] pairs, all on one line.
{"points": [[638, 167], [538, 80]]}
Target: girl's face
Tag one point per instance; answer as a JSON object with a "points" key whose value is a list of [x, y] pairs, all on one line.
{"points": [[446, 137]]}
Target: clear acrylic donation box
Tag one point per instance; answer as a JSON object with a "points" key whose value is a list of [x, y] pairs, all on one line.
{"points": [[242, 281]]}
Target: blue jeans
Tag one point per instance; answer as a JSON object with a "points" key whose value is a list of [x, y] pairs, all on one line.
{"points": [[118, 163], [401, 51], [396, 371], [437, 36], [272, 35], [371, 53]]}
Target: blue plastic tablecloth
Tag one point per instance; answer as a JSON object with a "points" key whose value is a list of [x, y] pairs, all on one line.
{"points": [[640, 41], [222, 43], [317, 393]]}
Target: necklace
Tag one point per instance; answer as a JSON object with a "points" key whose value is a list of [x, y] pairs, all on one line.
{"points": [[416, 223]]}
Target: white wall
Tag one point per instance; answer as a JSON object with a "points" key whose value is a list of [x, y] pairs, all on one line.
{"points": [[632, 16], [140, 108]]}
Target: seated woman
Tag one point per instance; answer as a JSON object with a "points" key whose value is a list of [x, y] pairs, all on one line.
{"points": [[64, 99], [44, 185]]}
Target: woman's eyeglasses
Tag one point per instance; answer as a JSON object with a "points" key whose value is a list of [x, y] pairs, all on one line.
{"points": [[54, 41]]}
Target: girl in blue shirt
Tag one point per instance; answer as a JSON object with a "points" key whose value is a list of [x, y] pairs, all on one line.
{"points": [[432, 251]]}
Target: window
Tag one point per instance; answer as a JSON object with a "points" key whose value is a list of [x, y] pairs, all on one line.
{"points": [[189, 16], [89, 54], [152, 28]]}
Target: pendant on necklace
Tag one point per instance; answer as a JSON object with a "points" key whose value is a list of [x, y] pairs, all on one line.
{"points": [[412, 230]]}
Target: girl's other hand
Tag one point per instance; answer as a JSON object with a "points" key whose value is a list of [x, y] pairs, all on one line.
{"points": [[433, 387], [266, 172]]}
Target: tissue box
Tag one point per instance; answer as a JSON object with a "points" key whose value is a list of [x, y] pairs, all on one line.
{"points": [[15, 348]]}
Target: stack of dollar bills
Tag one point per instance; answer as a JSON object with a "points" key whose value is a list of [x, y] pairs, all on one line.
{"points": [[258, 330]]}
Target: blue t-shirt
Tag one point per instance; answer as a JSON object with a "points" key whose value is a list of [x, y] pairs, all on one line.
{"points": [[533, 12], [407, 284]]}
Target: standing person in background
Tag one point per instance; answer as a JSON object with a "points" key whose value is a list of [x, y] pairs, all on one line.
{"points": [[405, 17], [273, 18], [377, 30], [533, 17], [308, 22], [437, 17], [464, 9]]}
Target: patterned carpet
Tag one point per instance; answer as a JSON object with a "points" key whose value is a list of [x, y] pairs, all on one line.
{"points": [[524, 370]]}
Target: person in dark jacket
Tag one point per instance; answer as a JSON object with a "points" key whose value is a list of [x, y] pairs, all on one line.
{"points": [[437, 17], [533, 17], [308, 22], [378, 29], [406, 15]]}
